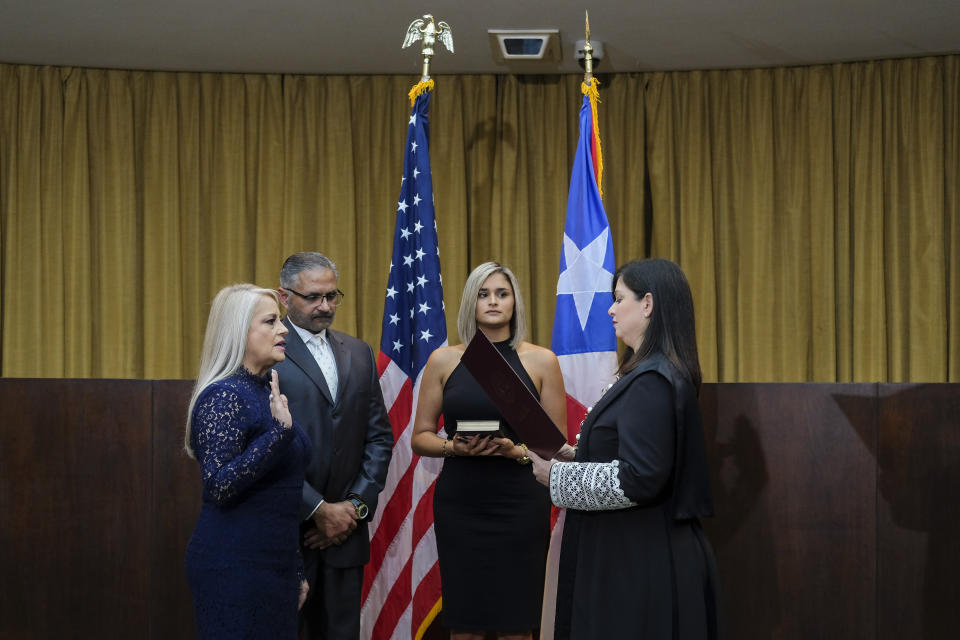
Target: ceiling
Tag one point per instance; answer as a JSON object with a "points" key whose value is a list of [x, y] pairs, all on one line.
{"points": [[364, 36]]}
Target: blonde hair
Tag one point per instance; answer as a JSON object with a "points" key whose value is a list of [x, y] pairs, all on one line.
{"points": [[225, 341], [467, 318]]}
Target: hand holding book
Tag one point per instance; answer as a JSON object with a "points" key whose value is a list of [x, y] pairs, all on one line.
{"points": [[513, 399]]}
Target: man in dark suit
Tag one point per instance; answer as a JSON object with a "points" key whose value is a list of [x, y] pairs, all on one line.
{"points": [[331, 382]]}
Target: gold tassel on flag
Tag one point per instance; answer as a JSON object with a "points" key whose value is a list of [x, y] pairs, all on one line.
{"points": [[589, 89], [420, 88]]}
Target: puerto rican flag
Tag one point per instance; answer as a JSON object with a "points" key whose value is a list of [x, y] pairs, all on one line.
{"points": [[401, 583], [583, 336]]}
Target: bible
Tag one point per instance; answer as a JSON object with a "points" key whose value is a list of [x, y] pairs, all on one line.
{"points": [[480, 428]]}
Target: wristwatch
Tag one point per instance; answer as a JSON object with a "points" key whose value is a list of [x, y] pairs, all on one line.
{"points": [[359, 506]]}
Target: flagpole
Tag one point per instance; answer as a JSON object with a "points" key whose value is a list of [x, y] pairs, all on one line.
{"points": [[587, 51], [583, 338], [589, 89], [401, 594]]}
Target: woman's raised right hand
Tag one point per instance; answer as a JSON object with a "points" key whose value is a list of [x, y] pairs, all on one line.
{"points": [[279, 408]]}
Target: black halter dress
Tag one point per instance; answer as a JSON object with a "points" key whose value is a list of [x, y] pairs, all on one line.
{"points": [[492, 522]]}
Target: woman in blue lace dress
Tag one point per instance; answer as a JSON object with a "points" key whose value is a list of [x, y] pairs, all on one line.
{"points": [[243, 560]]}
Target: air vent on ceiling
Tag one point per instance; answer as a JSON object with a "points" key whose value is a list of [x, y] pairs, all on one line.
{"points": [[525, 44]]}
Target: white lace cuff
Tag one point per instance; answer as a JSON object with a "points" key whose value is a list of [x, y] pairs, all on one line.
{"points": [[587, 486]]}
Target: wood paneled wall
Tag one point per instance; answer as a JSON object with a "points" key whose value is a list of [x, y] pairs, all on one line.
{"points": [[835, 509]]}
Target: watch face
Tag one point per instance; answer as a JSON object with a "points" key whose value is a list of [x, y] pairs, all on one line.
{"points": [[361, 509]]}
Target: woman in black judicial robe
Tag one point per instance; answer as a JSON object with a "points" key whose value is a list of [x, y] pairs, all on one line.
{"points": [[491, 517], [634, 562]]}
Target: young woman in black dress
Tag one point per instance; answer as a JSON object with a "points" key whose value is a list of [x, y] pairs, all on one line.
{"points": [[491, 517]]}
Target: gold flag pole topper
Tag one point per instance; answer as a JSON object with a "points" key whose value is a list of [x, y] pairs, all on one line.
{"points": [[589, 88], [429, 31], [587, 52]]}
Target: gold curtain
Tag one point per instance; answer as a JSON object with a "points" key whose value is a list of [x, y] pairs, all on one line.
{"points": [[815, 210]]}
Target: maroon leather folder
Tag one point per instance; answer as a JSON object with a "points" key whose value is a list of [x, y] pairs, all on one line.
{"points": [[516, 402]]}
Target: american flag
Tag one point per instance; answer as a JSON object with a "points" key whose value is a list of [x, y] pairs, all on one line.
{"points": [[583, 336], [401, 586]]}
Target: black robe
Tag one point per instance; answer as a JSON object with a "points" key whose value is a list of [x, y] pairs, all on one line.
{"points": [[645, 571]]}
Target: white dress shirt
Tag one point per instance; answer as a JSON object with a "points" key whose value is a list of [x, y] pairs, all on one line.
{"points": [[319, 346]]}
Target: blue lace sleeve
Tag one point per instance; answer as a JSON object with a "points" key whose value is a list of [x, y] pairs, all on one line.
{"points": [[301, 575], [230, 463]]}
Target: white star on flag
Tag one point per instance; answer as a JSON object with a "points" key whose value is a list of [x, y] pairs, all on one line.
{"points": [[584, 275]]}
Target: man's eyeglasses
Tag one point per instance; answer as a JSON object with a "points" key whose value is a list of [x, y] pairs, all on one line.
{"points": [[333, 298]]}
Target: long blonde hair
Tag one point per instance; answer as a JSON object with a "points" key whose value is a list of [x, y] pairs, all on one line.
{"points": [[225, 341]]}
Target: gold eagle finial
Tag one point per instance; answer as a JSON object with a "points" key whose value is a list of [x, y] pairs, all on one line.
{"points": [[429, 31]]}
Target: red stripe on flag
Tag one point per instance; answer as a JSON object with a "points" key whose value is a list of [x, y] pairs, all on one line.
{"points": [[395, 604], [554, 515], [576, 413], [425, 597], [595, 153], [394, 513], [423, 516], [393, 516], [399, 414], [383, 361]]}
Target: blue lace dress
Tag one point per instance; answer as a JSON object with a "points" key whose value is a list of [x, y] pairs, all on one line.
{"points": [[243, 561]]}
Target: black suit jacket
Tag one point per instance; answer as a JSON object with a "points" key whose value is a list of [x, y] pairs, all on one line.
{"points": [[352, 438]]}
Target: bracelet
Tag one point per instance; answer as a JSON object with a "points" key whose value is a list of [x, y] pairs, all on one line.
{"points": [[443, 450], [524, 459]]}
